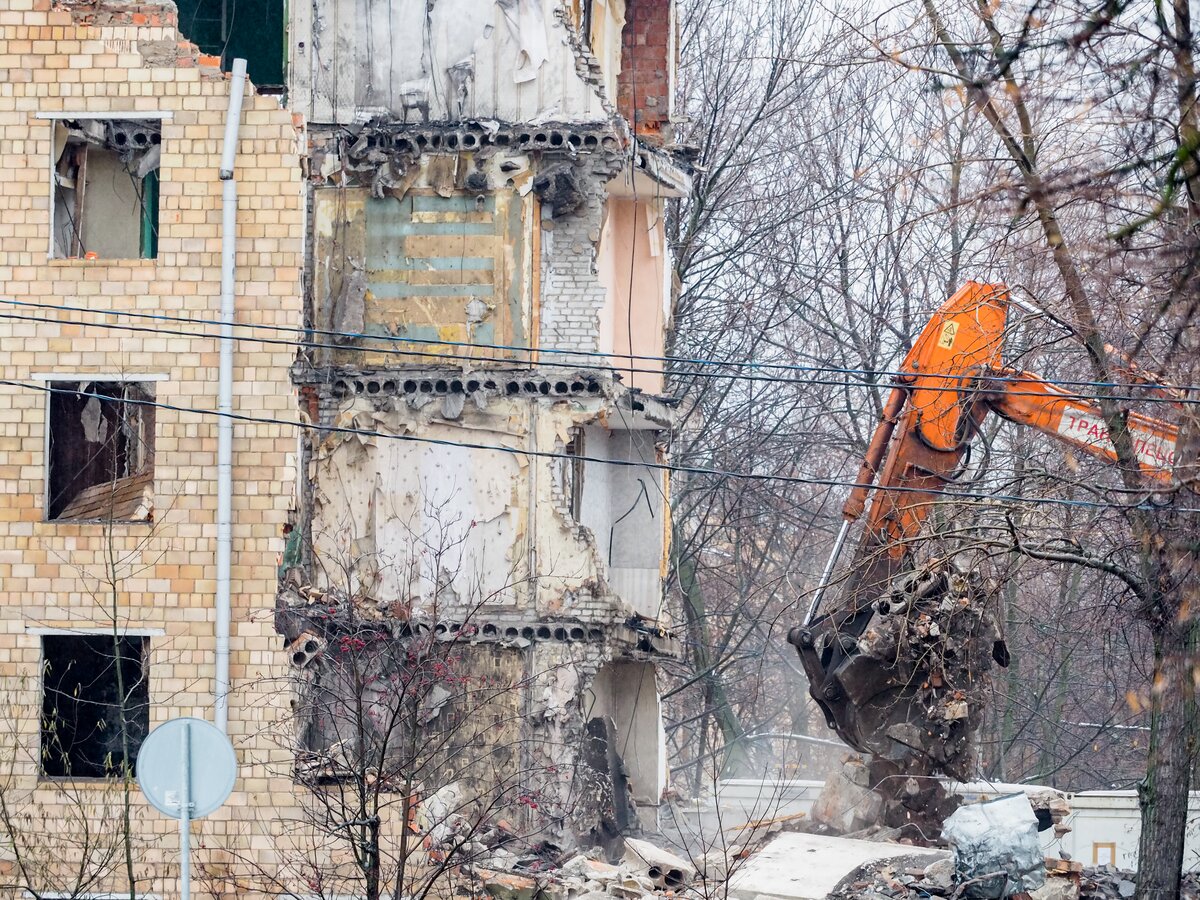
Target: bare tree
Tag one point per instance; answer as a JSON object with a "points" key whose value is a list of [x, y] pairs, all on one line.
{"points": [[1100, 165]]}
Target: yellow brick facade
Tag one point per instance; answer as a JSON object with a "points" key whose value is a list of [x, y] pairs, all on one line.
{"points": [[52, 574]]}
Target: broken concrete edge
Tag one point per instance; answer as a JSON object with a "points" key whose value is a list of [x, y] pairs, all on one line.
{"points": [[645, 870], [363, 147], [801, 866], [597, 387], [308, 619]]}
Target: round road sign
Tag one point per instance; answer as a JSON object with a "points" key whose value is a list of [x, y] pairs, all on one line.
{"points": [[190, 746]]}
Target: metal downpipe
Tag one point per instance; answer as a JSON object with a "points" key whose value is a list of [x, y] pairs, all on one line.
{"points": [[237, 88]]}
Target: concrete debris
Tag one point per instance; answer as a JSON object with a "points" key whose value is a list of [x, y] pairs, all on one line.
{"points": [[902, 880], [507, 886], [847, 803], [591, 869], [437, 814], [717, 865], [305, 649], [1057, 888], [646, 871], [798, 866], [664, 868], [996, 848], [877, 799], [940, 875], [559, 187], [1111, 883], [911, 688], [1052, 810]]}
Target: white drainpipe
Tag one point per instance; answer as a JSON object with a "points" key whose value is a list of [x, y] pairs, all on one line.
{"points": [[237, 88]]}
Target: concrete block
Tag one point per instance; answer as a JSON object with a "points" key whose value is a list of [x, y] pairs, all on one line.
{"points": [[798, 866]]}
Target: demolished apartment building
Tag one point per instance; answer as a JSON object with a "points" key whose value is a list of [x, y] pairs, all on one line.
{"points": [[488, 286], [484, 249]]}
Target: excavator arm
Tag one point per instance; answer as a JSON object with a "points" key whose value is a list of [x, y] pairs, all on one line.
{"points": [[895, 663], [1028, 400]]}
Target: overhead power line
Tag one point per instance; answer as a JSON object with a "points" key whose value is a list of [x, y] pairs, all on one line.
{"points": [[995, 498], [864, 375]]}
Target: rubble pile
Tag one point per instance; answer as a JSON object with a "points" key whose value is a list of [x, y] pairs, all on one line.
{"points": [[996, 854], [1065, 880], [1111, 883], [646, 870], [934, 639], [939, 881], [904, 679]]}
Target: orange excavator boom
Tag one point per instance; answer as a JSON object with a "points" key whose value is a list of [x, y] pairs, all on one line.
{"points": [[1024, 398], [948, 382]]}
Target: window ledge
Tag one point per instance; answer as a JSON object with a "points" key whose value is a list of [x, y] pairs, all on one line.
{"points": [[97, 521], [71, 262], [83, 781]]}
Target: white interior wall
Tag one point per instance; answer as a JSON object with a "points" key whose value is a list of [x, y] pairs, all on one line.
{"points": [[626, 692], [351, 62], [632, 547], [112, 213]]}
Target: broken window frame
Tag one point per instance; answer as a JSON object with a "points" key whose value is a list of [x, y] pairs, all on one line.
{"points": [[147, 188], [136, 706], [143, 427]]}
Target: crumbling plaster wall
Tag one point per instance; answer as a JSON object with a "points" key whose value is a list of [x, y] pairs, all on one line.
{"points": [[444, 533], [626, 692], [455, 531], [438, 60], [444, 246]]}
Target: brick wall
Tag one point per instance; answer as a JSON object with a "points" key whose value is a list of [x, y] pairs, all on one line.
{"points": [[644, 85], [572, 293], [129, 60]]}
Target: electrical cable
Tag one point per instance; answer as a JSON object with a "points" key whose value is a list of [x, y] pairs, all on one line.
{"points": [[435, 357], [48, 388], [865, 374]]}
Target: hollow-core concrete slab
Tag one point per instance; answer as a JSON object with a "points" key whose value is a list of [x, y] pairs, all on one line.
{"points": [[798, 866]]}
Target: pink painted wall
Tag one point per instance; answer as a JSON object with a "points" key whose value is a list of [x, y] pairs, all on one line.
{"points": [[632, 253]]}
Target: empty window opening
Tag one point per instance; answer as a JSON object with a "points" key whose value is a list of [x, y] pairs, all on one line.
{"points": [[106, 188], [250, 29], [572, 474], [100, 459], [91, 686]]}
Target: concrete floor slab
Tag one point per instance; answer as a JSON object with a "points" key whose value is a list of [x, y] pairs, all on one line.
{"points": [[798, 866]]}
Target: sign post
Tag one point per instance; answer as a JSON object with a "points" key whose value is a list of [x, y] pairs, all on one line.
{"points": [[185, 811], [187, 769]]}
